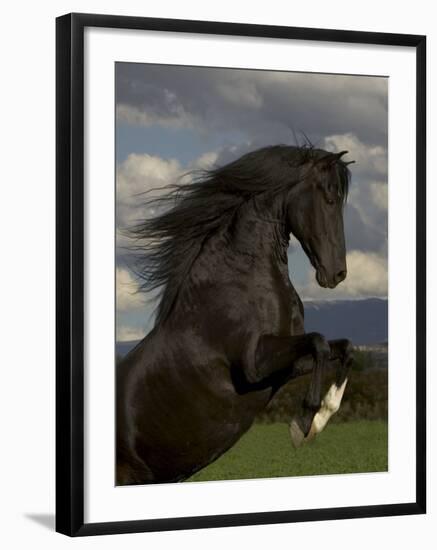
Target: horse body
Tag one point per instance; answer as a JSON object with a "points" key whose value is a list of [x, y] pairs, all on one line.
{"points": [[195, 384]]}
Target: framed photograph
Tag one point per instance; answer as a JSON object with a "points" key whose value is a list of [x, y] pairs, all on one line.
{"points": [[240, 274]]}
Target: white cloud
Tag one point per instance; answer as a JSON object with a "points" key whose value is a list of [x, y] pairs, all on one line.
{"points": [[127, 333], [139, 178], [140, 173], [205, 161], [379, 193], [127, 295], [143, 176], [367, 275]]}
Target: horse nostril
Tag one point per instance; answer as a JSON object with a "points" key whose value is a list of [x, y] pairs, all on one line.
{"points": [[341, 276]]}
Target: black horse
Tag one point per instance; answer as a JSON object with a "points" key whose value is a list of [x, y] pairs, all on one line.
{"points": [[229, 328]]}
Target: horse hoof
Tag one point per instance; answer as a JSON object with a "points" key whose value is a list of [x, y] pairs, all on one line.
{"points": [[296, 434]]}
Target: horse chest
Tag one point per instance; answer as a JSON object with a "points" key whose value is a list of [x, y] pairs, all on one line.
{"points": [[280, 308]]}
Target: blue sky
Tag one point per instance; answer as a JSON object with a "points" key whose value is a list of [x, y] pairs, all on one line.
{"points": [[172, 119], [181, 143]]}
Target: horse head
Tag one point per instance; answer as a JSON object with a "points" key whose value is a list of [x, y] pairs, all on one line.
{"points": [[315, 215]]}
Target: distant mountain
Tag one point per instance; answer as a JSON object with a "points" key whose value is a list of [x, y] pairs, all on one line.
{"points": [[363, 322]]}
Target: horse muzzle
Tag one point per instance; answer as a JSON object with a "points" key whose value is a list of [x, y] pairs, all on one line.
{"points": [[332, 281]]}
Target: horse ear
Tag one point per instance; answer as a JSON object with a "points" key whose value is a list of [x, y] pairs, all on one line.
{"points": [[335, 157], [332, 158], [340, 154]]}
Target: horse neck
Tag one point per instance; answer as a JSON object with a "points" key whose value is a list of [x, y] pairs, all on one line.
{"points": [[255, 237], [252, 243], [263, 231]]}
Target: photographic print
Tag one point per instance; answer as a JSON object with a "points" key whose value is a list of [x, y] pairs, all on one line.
{"points": [[251, 274], [228, 351]]}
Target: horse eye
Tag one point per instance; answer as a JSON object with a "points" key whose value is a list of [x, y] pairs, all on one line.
{"points": [[330, 201]]}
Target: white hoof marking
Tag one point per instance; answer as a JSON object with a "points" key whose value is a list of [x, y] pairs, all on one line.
{"points": [[334, 396], [330, 405]]}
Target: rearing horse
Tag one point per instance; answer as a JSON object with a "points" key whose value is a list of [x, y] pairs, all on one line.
{"points": [[229, 329]]}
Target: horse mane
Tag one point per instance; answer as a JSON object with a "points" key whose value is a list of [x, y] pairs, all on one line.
{"points": [[166, 245]]}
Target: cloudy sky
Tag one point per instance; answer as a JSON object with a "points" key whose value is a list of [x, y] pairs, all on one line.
{"points": [[171, 119]]}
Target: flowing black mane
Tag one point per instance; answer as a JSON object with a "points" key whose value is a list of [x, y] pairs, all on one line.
{"points": [[167, 245]]}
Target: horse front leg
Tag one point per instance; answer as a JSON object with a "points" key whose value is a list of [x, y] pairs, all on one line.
{"points": [[341, 352], [278, 357]]}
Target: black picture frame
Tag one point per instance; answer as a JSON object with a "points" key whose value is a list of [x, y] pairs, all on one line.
{"points": [[70, 273]]}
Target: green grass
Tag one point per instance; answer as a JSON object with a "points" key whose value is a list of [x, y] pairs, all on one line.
{"points": [[266, 451]]}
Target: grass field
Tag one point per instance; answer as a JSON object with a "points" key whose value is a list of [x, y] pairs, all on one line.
{"points": [[266, 451]]}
